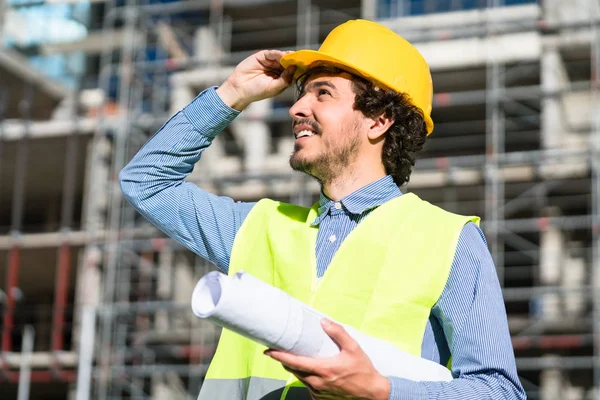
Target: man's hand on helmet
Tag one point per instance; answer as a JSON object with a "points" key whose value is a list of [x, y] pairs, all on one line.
{"points": [[258, 77]]}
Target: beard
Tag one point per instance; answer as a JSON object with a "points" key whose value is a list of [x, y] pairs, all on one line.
{"points": [[330, 164]]}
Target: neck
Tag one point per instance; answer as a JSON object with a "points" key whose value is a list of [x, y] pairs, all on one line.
{"points": [[355, 178]]}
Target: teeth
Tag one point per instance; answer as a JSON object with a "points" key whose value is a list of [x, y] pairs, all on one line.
{"points": [[304, 133]]}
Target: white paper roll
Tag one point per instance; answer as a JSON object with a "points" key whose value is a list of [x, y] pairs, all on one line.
{"points": [[271, 317]]}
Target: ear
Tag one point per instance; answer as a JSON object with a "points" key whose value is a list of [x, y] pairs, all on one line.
{"points": [[379, 126]]}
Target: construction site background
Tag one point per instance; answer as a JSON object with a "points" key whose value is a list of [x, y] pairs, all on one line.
{"points": [[95, 300]]}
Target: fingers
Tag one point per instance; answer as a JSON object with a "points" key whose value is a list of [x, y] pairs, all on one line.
{"points": [[339, 335], [270, 58], [310, 381], [301, 375], [288, 74], [274, 55], [298, 363], [282, 81]]}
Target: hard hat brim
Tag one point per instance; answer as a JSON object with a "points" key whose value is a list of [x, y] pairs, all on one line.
{"points": [[302, 59]]}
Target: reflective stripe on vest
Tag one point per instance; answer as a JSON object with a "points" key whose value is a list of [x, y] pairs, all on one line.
{"points": [[383, 281], [251, 389]]}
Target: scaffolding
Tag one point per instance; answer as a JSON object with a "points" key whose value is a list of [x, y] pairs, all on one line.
{"points": [[517, 141]]}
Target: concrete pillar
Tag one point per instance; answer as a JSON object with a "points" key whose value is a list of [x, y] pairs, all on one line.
{"points": [[184, 286], [96, 184], [574, 278], [3, 12], [551, 384], [551, 260], [160, 391], [181, 96], [569, 11], [255, 134], [368, 9], [206, 46], [167, 387], [554, 77], [88, 288], [165, 274], [551, 255], [164, 288], [574, 393], [89, 284]]}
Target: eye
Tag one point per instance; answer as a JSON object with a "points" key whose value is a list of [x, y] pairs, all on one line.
{"points": [[324, 92]]}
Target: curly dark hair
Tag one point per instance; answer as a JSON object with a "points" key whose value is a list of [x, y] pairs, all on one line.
{"points": [[405, 137]]}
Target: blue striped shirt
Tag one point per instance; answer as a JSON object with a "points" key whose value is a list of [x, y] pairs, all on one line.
{"points": [[468, 321]]}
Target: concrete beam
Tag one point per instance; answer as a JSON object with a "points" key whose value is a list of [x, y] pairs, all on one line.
{"points": [[43, 359], [93, 43], [15, 129], [77, 238], [473, 52], [444, 26], [18, 66]]}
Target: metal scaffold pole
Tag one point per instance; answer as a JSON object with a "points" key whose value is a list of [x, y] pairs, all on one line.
{"points": [[3, 106], [99, 182], [18, 205], [494, 187], [3, 13], [64, 256], [86, 353], [25, 372], [595, 175]]}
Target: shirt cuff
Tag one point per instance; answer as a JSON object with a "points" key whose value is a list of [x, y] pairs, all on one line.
{"points": [[208, 114], [403, 389]]}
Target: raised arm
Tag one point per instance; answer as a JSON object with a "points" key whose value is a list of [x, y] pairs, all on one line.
{"points": [[153, 182]]}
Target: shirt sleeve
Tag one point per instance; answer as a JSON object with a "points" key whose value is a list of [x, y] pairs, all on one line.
{"points": [[153, 182], [473, 316]]}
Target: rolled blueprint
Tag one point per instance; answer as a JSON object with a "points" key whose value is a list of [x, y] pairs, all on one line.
{"points": [[271, 317]]}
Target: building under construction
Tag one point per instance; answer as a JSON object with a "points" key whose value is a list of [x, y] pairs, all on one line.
{"points": [[95, 300]]}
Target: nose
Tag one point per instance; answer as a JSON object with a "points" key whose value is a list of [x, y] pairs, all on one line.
{"points": [[301, 108]]}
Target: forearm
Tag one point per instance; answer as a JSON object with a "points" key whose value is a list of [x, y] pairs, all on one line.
{"points": [[170, 155], [490, 385]]}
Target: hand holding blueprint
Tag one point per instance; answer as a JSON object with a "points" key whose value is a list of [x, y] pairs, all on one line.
{"points": [[269, 316]]}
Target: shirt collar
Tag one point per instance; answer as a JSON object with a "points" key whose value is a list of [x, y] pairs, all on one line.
{"points": [[370, 196]]}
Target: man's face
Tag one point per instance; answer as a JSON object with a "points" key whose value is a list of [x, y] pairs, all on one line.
{"points": [[327, 127]]}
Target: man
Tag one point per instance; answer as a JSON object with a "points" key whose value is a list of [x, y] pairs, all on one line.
{"points": [[389, 264]]}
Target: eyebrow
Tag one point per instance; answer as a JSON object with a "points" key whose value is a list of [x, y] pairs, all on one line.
{"points": [[314, 85]]}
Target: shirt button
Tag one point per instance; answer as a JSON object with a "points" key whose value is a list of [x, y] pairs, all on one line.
{"points": [[337, 205], [332, 238]]}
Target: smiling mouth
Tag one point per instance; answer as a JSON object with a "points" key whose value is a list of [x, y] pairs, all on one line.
{"points": [[305, 133]]}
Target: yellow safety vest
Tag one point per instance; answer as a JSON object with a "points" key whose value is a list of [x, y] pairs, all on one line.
{"points": [[384, 279]]}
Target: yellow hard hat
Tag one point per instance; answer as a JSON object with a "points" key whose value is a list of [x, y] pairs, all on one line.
{"points": [[375, 52]]}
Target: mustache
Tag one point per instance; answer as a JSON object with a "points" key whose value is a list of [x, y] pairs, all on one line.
{"points": [[307, 121]]}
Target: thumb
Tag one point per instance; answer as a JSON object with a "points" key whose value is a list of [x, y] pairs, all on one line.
{"points": [[339, 335], [283, 81], [288, 74]]}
